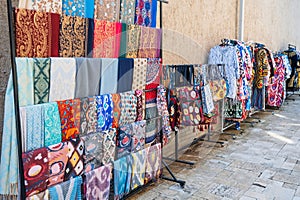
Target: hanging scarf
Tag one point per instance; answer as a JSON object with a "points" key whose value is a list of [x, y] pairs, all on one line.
{"points": [[116, 98], [125, 74], [109, 146], [42, 5], [207, 100], [109, 76], [124, 141], [133, 34], [138, 135], [104, 112], [153, 127], [127, 11], [67, 190], [150, 41], [40, 196], [145, 14], [153, 163], [74, 8], [128, 108], [140, 105], [88, 116], [107, 10], [62, 88], [41, 74], [57, 155], [122, 176], [138, 169], [174, 111], [139, 74]]}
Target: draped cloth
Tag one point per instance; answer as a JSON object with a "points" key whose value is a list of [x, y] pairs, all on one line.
{"points": [[93, 145], [125, 74], [9, 155], [109, 146], [138, 169], [104, 112], [122, 176], [67, 190], [109, 76], [73, 7], [116, 98], [40, 196], [42, 5], [124, 141], [139, 74], [87, 77], [153, 163], [138, 136], [127, 11], [128, 108], [150, 41], [107, 36], [62, 81], [108, 10], [146, 11], [37, 33], [41, 75], [98, 183], [130, 41], [207, 99], [140, 105], [88, 115]]}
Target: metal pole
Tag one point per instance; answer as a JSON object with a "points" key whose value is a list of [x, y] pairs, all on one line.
{"points": [[22, 194], [241, 20]]}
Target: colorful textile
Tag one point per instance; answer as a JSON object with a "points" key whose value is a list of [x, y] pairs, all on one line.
{"points": [[140, 105], [174, 111], [68, 126], [80, 36], [162, 108], [104, 112], [36, 170], [107, 10], [150, 41], [145, 13], [41, 75], [73, 8], [233, 109], [42, 5], [62, 88], [127, 11], [218, 89], [88, 116], [138, 135], [57, 155], [128, 108], [133, 34], [107, 36], [109, 146], [122, 177], [116, 98], [124, 141], [9, 156], [138, 169], [74, 165], [40, 196], [98, 183], [125, 74], [153, 128], [139, 74], [93, 145], [52, 124], [109, 76], [153, 163], [207, 100], [67, 190]]}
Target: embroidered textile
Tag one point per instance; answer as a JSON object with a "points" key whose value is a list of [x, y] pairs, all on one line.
{"points": [[88, 115], [127, 11], [108, 10], [218, 89], [93, 145], [109, 76], [67, 190], [109, 146], [104, 112], [41, 74], [128, 108], [174, 111], [145, 13], [150, 41], [125, 74], [233, 109], [36, 171], [138, 169], [153, 163]]}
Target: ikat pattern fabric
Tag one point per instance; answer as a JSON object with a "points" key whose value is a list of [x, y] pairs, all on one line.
{"points": [[93, 145], [70, 189], [41, 74], [121, 176], [145, 14], [138, 169], [104, 112], [128, 108], [88, 115], [116, 98], [108, 10], [109, 146], [233, 109], [138, 135], [124, 141], [153, 163]]}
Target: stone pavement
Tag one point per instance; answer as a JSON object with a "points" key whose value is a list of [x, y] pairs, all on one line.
{"points": [[262, 163]]}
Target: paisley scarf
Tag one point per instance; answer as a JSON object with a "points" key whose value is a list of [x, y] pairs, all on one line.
{"points": [[150, 41], [116, 98], [67, 190], [107, 10], [145, 14], [104, 112], [88, 116], [41, 74]]}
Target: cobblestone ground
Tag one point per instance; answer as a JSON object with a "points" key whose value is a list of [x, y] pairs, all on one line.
{"points": [[262, 163]]}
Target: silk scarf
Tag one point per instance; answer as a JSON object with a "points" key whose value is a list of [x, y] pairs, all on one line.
{"points": [[98, 183], [109, 146], [62, 88], [36, 170], [140, 105], [150, 41], [93, 145], [128, 108], [139, 74], [138, 136], [116, 98], [88, 115], [108, 10], [37, 33], [127, 11], [41, 75], [153, 163], [207, 100], [145, 14], [58, 158], [124, 141], [122, 176], [138, 169], [73, 8], [104, 112], [67, 190], [42, 5], [109, 76], [125, 74]]}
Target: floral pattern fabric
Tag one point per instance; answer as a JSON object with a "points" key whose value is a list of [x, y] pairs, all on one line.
{"points": [[145, 14]]}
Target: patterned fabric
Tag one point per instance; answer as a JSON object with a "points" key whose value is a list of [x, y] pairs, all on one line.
{"points": [[218, 89], [74, 8], [41, 74], [153, 163], [153, 127], [138, 135], [133, 39], [139, 74], [207, 100], [138, 169], [93, 145], [127, 11], [124, 141], [104, 112], [42, 5], [107, 36], [233, 109], [125, 74], [68, 126], [174, 111], [263, 67], [36, 171], [52, 124], [98, 183], [109, 146], [109, 76], [145, 14], [150, 41], [62, 88], [74, 165], [122, 176], [73, 31], [107, 10], [36, 33], [128, 108], [40, 196], [67, 190], [116, 98], [57, 155], [140, 105], [88, 116]]}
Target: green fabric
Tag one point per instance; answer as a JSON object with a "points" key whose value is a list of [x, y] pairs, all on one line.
{"points": [[123, 48], [41, 75]]}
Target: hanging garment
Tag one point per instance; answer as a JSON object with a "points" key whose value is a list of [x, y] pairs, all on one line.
{"points": [[88, 116], [207, 100], [9, 155], [42, 5], [74, 165], [68, 127], [263, 67], [150, 41], [40, 196], [109, 146], [128, 108], [125, 75], [145, 14], [107, 36], [108, 10], [139, 74], [37, 33], [130, 39], [109, 76], [116, 98], [174, 111], [233, 109], [67, 190], [138, 135], [124, 140], [218, 89], [62, 88], [127, 11], [138, 169], [74, 8], [93, 145], [122, 176], [41, 74], [88, 77], [184, 75], [140, 105], [153, 163], [36, 171], [57, 155], [104, 112], [98, 183]]}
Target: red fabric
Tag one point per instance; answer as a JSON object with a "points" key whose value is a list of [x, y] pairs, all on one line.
{"points": [[55, 19]]}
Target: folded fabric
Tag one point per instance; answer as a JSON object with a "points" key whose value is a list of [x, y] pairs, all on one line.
{"points": [[138, 169], [40, 196], [104, 112], [36, 170], [207, 100], [98, 183], [140, 104], [150, 42], [62, 88], [41, 75], [116, 98], [138, 135], [93, 145], [128, 108], [145, 14], [109, 76], [127, 11], [54, 6], [58, 158], [109, 146], [88, 115], [88, 77], [124, 140], [52, 125], [37, 33], [125, 74], [107, 10], [75, 161], [139, 74], [67, 190], [153, 163]]}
